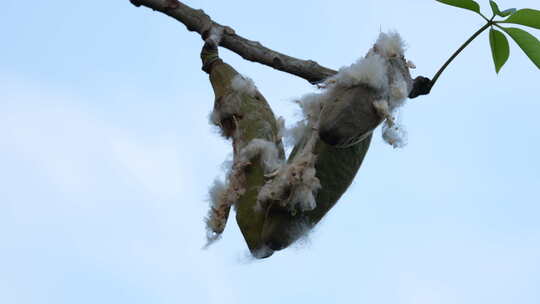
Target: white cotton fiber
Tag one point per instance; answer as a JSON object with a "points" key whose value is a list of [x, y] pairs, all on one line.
{"points": [[243, 84], [216, 218], [395, 135], [390, 44], [370, 70], [217, 193], [268, 152]]}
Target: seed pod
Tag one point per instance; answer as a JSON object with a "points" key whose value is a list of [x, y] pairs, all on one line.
{"points": [[383, 76], [244, 115], [349, 116], [355, 102], [335, 169]]}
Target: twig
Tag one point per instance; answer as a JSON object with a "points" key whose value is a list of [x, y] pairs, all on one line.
{"points": [[198, 21]]}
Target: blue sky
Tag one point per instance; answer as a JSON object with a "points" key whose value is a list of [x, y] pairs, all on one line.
{"points": [[106, 156]]}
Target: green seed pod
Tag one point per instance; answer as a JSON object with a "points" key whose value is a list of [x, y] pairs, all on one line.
{"points": [[244, 116], [335, 169], [349, 115]]}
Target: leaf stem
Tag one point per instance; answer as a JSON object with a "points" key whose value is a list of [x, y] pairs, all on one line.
{"points": [[456, 53], [497, 25], [488, 20]]}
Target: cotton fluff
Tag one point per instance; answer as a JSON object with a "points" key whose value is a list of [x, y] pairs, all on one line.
{"points": [[217, 193], [398, 92], [383, 108], [214, 118], [225, 109], [370, 70], [395, 135], [390, 44], [244, 84], [295, 184], [311, 106], [268, 152], [382, 70], [224, 195], [217, 215], [295, 133]]}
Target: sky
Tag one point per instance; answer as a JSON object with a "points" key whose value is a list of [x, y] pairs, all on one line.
{"points": [[106, 157]]}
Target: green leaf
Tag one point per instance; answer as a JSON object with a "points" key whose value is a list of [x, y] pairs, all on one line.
{"points": [[526, 16], [497, 11], [527, 42], [495, 8], [499, 48], [508, 12], [466, 4]]}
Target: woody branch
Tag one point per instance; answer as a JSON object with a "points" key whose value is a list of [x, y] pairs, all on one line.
{"points": [[198, 21]]}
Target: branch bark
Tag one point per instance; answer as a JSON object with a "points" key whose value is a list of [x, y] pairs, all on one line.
{"points": [[198, 21]]}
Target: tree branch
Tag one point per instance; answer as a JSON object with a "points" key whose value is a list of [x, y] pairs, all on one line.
{"points": [[198, 21]]}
